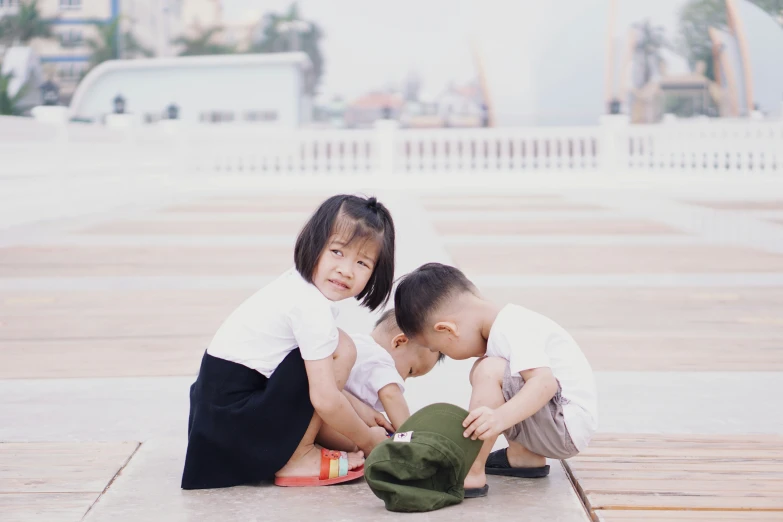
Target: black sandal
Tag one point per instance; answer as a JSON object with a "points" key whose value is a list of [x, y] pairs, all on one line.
{"points": [[497, 464], [477, 492]]}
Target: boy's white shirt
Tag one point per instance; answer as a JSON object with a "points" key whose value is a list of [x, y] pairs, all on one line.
{"points": [[374, 368], [530, 340], [286, 314]]}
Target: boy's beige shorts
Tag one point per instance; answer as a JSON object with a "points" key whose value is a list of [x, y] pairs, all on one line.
{"points": [[544, 432]]}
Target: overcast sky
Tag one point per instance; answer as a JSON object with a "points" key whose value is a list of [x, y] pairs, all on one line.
{"points": [[371, 43]]}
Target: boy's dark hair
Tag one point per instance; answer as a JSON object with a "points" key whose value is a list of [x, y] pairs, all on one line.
{"points": [[361, 218], [387, 317], [388, 320], [424, 290]]}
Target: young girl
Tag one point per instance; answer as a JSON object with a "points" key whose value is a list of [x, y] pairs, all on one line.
{"points": [[270, 382]]}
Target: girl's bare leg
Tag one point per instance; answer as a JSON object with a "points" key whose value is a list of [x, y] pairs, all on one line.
{"points": [[306, 460]]}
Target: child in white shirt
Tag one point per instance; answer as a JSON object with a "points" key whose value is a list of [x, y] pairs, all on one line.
{"points": [[532, 382], [384, 359], [271, 381]]}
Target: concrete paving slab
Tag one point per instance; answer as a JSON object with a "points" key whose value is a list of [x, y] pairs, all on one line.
{"points": [[203, 228], [581, 259], [45, 507], [576, 228], [566, 239], [154, 410], [57, 481], [32, 261], [148, 489]]}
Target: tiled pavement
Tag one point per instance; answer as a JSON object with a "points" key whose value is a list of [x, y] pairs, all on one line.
{"points": [[677, 301]]}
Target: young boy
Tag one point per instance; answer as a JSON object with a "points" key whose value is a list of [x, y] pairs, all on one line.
{"points": [[384, 359], [532, 382]]}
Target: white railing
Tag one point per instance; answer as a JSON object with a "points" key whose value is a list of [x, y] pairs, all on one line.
{"points": [[497, 150], [704, 146], [245, 149], [611, 147]]}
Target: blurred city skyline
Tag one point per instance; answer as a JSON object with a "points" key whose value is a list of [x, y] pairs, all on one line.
{"points": [[367, 48]]}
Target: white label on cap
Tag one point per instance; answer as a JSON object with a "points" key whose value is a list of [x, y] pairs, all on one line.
{"points": [[403, 437]]}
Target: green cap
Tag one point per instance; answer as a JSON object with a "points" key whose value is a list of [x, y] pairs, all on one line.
{"points": [[423, 467]]}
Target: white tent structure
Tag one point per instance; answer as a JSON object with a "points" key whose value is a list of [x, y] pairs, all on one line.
{"points": [[541, 63], [26, 75]]}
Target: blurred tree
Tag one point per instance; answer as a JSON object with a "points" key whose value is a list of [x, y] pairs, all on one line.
{"points": [[111, 45], [25, 25], [202, 43], [289, 32], [10, 105], [648, 46], [697, 16]]}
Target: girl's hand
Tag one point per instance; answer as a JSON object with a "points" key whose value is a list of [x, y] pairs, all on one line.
{"points": [[377, 435], [483, 423]]}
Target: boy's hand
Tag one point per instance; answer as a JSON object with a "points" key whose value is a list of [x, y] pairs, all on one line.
{"points": [[371, 417], [483, 423], [378, 419]]}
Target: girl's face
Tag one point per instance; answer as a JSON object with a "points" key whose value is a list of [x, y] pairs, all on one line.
{"points": [[344, 269]]}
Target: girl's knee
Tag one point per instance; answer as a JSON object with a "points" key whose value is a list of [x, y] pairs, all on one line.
{"points": [[488, 369]]}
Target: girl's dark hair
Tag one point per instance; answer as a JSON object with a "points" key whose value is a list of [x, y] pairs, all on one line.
{"points": [[360, 218]]}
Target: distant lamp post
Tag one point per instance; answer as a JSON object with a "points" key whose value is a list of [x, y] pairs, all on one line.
{"points": [[119, 104], [484, 115], [50, 93], [614, 106], [172, 111]]}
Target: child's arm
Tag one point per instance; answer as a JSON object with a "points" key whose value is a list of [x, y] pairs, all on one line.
{"points": [[368, 414], [335, 410], [394, 404], [485, 423]]}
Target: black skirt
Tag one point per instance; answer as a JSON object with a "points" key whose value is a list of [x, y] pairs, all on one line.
{"points": [[244, 427]]}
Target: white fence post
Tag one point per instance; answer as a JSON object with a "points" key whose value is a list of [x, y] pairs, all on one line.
{"points": [[385, 146], [613, 144]]}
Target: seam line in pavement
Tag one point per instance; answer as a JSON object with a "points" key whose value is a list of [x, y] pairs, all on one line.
{"points": [[124, 464]]}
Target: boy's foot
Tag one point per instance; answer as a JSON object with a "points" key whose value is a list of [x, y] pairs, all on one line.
{"points": [[308, 462], [475, 483], [506, 462]]}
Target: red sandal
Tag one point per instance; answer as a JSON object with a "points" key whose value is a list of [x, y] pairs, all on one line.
{"points": [[334, 470]]}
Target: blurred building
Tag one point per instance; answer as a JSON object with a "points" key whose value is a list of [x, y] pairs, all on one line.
{"points": [[749, 60], [74, 23], [456, 106], [647, 83], [153, 23], [258, 89], [365, 110]]}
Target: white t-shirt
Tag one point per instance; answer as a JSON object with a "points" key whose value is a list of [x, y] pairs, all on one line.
{"points": [[286, 314], [374, 368], [529, 340]]}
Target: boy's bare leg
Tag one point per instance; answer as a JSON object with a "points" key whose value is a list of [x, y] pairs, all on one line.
{"points": [[306, 460], [521, 457], [486, 378]]}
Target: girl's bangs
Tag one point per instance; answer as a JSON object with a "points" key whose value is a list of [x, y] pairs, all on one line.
{"points": [[350, 230]]}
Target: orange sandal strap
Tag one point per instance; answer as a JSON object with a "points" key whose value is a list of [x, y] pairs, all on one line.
{"points": [[333, 463]]}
